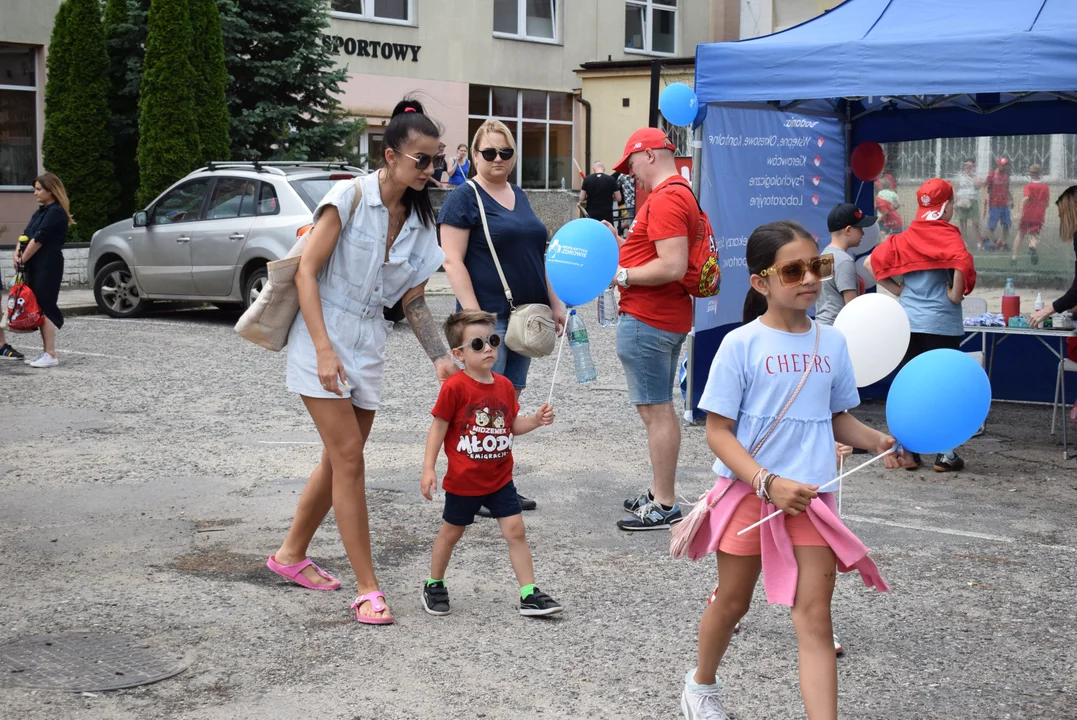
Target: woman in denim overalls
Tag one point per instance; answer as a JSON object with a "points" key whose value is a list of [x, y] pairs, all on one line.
{"points": [[354, 266]]}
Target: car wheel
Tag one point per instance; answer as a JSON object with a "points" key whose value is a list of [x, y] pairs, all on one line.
{"points": [[253, 288], [116, 293]]}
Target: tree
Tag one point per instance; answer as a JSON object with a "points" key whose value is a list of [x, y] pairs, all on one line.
{"points": [[77, 143], [284, 80], [125, 32], [168, 145], [210, 82]]}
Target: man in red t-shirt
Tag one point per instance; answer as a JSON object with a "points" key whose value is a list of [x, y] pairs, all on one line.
{"points": [[999, 202], [656, 314], [1032, 211]]}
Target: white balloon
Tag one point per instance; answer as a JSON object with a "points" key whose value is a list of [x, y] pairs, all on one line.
{"points": [[876, 329]]}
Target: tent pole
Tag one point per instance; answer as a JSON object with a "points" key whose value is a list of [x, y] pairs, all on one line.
{"points": [[690, 366], [848, 148], [656, 89]]}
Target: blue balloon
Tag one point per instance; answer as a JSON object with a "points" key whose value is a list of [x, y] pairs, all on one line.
{"points": [[581, 261], [678, 104], [938, 401]]}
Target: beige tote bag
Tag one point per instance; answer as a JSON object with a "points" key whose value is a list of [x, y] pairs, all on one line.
{"points": [[269, 318]]}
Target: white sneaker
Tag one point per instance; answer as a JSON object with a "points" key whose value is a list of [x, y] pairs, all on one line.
{"points": [[701, 702], [45, 361], [30, 361]]}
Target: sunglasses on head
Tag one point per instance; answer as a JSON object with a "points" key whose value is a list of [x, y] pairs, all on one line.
{"points": [[479, 344], [792, 273], [422, 160], [490, 153]]}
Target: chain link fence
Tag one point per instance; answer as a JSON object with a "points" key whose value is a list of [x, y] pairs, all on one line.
{"points": [[1050, 267]]}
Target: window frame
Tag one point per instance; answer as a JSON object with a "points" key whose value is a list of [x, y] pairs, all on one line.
{"points": [[258, 199], [207, 205], [38, 99], [370, 17], [515, 124], [521, 25], [649, 6]]}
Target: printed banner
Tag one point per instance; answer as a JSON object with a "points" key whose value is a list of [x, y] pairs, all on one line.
{"points": [[760, 166]]}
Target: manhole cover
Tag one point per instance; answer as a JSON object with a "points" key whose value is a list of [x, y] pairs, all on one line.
{"points": [[84, 662]]}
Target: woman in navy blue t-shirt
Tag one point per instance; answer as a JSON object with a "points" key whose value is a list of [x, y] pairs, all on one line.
{"points": [[518, 236]]}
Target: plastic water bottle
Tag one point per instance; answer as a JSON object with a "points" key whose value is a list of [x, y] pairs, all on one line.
{"points": [[562, 183], [1009, 289], [607, 308], [1038, 305], [581, 349]]}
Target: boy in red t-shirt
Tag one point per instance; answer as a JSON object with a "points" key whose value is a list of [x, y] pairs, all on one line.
{"points": [[1032, 212], [476, 419]]}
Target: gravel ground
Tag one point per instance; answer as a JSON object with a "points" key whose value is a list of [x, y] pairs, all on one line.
{"points": [[145, 480]]}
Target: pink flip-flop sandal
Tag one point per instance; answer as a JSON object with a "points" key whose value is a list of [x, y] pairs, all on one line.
{"points": [[295, 574], [375, 599]]}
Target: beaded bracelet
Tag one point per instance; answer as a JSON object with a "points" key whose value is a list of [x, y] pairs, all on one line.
{"points": [[766, 486], [758, 480]]}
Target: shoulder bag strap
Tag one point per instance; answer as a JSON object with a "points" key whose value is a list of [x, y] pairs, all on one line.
{"points": [[800, 385], [358, 195], [493, 253]]}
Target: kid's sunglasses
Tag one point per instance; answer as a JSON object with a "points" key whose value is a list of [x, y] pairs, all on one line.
{"points": [[479, 344], [792, 273]]}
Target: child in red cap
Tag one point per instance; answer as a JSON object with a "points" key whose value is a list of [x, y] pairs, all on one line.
{"points": [[938, 272]]}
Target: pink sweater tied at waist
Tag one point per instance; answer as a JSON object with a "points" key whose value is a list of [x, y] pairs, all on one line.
{"points": [[779, 564]]}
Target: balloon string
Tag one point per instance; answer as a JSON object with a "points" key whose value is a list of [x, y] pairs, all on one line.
{"points": [[776, 513], [560, 347], [857, 199]]}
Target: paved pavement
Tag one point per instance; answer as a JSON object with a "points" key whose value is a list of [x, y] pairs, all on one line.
{"points": [[145, 480]]}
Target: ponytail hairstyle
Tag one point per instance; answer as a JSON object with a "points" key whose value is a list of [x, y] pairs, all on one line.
{"points": [[763, 246], [1067, 213], [409, 119], [50, 182]]}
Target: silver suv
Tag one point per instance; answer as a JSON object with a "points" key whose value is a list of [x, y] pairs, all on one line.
{"points": [[209, 236]]}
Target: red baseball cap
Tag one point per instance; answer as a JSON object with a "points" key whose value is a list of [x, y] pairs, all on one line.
{"points": [[647, 138], [931, 199], [1003, 162]]}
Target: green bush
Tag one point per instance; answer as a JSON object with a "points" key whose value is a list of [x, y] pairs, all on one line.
{"points": [[168, 143], [210, 82], [125, 34], [77, 142]]}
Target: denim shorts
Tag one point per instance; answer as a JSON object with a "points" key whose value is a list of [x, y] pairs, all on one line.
{"points": [[995, 214], [460, 510], [650, 358]]}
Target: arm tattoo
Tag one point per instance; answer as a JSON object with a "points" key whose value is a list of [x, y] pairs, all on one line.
{"points": [[425, 329]]}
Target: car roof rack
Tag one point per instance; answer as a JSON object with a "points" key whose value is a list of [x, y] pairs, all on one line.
{"points": [[275, 166]]}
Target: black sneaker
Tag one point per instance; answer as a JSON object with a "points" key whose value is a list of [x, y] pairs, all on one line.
{"points": [[634, 504], [539, 604], [436, 598], [944, 464], [525, 504], [652, 516], [9, 353]]}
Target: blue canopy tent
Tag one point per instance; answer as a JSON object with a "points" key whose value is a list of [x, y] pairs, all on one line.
{"points": [[899, 70]]}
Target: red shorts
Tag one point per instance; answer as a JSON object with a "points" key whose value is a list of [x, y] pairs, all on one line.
{"points": [[1029, 227], [800, 528]]}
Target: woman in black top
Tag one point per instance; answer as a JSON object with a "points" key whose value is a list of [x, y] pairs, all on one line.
{"points": [[1067, 229], [43, 259]]}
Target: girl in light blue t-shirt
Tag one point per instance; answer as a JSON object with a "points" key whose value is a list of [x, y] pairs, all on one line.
{"points": [[757, 369]]}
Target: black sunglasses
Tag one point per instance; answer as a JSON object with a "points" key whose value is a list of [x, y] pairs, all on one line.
{"points": [[479, 344], [422, 162], [490, 153]]}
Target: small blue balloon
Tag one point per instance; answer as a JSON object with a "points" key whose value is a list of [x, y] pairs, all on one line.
{"points": [[581, 261], [938, 401], [678, 104]]}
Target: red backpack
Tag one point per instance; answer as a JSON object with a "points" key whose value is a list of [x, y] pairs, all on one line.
{"points": [[23, 312], [704, 276]]}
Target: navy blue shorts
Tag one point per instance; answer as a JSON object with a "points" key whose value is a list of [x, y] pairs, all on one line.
{"points": [[460, 510]]}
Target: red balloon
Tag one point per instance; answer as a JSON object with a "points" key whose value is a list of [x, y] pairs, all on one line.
{"points": [[867, 161]]}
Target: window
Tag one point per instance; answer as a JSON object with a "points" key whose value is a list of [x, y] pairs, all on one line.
{"points": [[18, 116], [232, 198], [184, 204], [651, 26], [267, 200], [541, 123], [529, 19], [399, 12]]}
